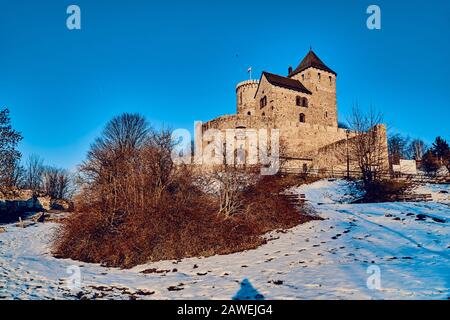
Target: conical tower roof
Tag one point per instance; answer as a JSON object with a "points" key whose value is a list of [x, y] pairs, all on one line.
{"points": [[311, 61]]}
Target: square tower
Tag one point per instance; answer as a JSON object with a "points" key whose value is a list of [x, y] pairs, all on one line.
{"points": [[321, 82]]}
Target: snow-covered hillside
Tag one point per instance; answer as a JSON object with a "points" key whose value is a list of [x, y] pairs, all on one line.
{"points": [[408, 243]]}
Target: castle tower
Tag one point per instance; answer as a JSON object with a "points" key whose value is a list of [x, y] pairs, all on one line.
{"points": [[321, 81], [245, 97]]}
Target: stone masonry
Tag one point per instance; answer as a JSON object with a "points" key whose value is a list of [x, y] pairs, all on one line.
{"points": [[302, 105]]}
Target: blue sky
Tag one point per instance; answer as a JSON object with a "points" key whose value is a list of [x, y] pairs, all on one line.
{"points": [[179, 61]]}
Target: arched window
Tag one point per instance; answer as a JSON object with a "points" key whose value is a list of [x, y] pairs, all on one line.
{"points": [[305, 103], [303, 77], [331, 80], [318, 75], [302, 118], [298, 101]]}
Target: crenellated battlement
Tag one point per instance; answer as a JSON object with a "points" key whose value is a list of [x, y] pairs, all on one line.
{"points": [[247, 83], [245, 97]]}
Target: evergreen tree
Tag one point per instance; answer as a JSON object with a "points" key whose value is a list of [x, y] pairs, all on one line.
{"points": [[437, 156], [441, 149], [10, 170]]}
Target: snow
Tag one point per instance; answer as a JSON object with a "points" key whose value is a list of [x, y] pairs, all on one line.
{"points": [[328, 192], [439, 192], [409, 243]]}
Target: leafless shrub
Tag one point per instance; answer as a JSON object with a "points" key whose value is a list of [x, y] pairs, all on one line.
{"points": [[227, 183], [385, 191], [136, 206], [368, 146]]}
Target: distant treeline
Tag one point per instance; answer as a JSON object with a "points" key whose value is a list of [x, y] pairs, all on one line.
{"points": [[432, 158], [31, 174]]}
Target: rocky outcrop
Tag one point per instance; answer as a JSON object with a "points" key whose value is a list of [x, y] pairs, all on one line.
{"points": [[14, 203], [61, 205], [20, 205]]}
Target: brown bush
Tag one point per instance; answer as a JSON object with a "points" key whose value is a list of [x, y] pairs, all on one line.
{"points": [[185, 224], [136, 206], [384, 191]]}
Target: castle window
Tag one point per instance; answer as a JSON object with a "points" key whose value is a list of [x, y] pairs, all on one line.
{"points": [[305, 168], [305, 103], [303, 76], [301, 102], [326, 114], [249, 113], [263, 102], [302, 118], [263, 114], [318, 75], [331, 79]]}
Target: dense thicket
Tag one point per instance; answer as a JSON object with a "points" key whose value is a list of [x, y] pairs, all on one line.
{"points": [[137, 206]]}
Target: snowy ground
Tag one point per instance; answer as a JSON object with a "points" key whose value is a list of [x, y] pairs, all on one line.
{"points": [[408, 243]]}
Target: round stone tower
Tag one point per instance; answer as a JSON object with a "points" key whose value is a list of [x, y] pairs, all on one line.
{"points": [[245, 96]]}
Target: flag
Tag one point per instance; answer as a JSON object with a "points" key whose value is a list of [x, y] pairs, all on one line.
{"points": [[249, 70]]}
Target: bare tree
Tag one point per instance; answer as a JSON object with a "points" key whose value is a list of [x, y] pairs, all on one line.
{"points": [[124, 133], [129, 168], [228, 181], [57, 183], [416, 149], [368, 146], [34, 170], [398, 148], [231, 181]]}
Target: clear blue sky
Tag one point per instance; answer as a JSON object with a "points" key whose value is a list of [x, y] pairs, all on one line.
{"points": [[179, 61]]}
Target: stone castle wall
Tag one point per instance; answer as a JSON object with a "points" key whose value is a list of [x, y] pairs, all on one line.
{"points": [[334, 156], [309, 133], [245, 96], [323, 101], [301, 140]]}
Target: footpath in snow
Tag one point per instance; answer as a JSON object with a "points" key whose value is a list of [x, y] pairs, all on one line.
{"points": [[406, 244]]}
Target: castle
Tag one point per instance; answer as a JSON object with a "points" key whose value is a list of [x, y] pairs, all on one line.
{"points": [[302, 105]]}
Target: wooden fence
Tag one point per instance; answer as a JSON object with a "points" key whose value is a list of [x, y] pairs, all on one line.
{"points": [[330, 173]]}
